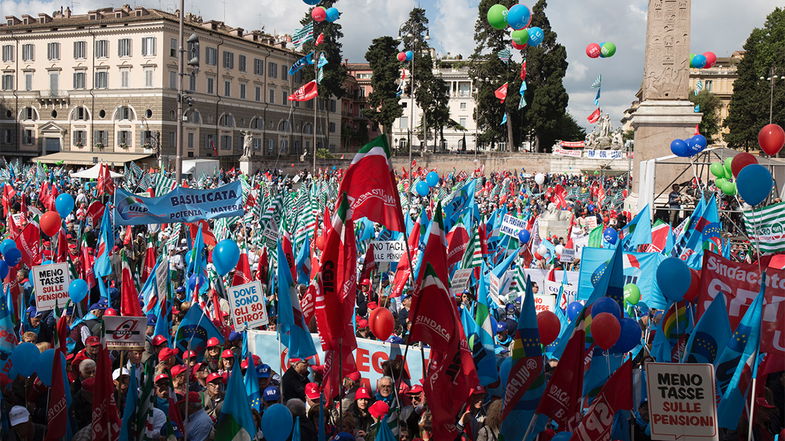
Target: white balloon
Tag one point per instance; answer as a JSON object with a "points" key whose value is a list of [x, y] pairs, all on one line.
{"points": [[542, 251], [539, 178], [559, 249]]}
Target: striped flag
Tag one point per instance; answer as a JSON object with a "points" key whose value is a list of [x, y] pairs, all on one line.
{"points": [[504, 55], [765, 226], [303, 35]]}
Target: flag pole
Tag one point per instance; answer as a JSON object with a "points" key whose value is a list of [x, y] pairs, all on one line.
{"points": [[315, 104]]}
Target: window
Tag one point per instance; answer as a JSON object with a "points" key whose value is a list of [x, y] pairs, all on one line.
{"points": [[709, 85], [258, 66], [124, 47], [192, 82], [148, 46], [226, 120], [241, 63], [227, 88], [332, 105], [54, 82], [102, 48], [270, 146], [124, 77], [8, 52], [284, 97], [53, 51], [80, 113], [258, 93], [101, 80], [211, 55], [28, 52], [28, 81], [80, 50], [7, 136], [172, 47], [404, 122], [80, 138], [100, 136], [463, 106], [8, 82], [147, 139], [332, 127], [257, 123], [228, 60], [148, 78], [272, 70], [27, 137], [272, 96], [29, 114], [462, 122], [284, 73], [226, 142], [190, 140], [125, 113], [79, 80], [242, 91], [124, 138], [172, 79], [210, 86]]}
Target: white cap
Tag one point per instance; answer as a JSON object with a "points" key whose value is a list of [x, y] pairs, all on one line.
{"points": [[18, 415], [120, 372]]}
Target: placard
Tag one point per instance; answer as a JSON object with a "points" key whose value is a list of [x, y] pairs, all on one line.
{"points": [[124, 333], [388, 250], [460, 280], [682, 405], [544, 302], [247, 304], [511, 225], [162, 277], [567, 255], [51, 285], [498, 286], [590, 222]]}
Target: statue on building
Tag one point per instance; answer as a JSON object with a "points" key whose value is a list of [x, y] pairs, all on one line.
{"points": [[247, 145]]}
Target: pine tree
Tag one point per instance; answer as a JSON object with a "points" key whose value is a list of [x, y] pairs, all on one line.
{"points": [[384, 105], [710, 107]]}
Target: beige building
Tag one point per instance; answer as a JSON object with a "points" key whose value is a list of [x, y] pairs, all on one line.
{"points": [[105, 82], [718, 80]]}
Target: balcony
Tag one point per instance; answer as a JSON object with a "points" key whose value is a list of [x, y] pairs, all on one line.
{"points": [[53, 97]]}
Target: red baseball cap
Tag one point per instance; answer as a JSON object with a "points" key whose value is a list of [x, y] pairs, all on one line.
{"points": [[92, 341], [365, 282], [178, 369], [111, 312], [212, 377], [159, 339], [212, 342], [372, 305], [479, 390], [354, 376], [160, 377], [362, 392], [188, 354], [198, 367], [379, 409], [312, 391], [362, 323], [227, 353], [167, 353], [415, 390]]}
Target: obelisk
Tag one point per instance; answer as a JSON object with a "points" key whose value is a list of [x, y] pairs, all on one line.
{"points": [[665, 113]]}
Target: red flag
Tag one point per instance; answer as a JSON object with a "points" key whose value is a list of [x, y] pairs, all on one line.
{"points": [[8, 194], [62, 247], [457, 240], [105, 414], [562, 398], [94, 212], [369, 264], [129, 303], [12, 228], [319, 39], [149, 260], [404, 267], [261, 267], [105, 182], [308, 303], [560, 196], [615, 395], [207, 236], [594, 117], [242, 273], [57, 408], [523, 70], [369, 184], [501, 92], [87, 261], [305, 93], [286, 244]]}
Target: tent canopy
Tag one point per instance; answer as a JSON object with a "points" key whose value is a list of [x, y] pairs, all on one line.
{"points": [[92, 173]]}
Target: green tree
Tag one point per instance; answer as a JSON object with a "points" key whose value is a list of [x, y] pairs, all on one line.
{"points": [[710, 105], [384, 105], [749, 109], [569, 130], [335, 71]]}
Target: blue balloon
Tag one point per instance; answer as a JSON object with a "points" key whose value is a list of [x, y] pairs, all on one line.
{"points": [[333, 14], [44, 367], [562, 436], [524, 236], [409, 55], [77, 290], [225, 256], [573, 309], [196, 279], [432, 178], [610, 235], [277, 423], [536, 36], [673, 278], [701, 141], [3, 269], [591, 208], [312, 2], [519, 16], [6, 245], [629, 337], [699, 61], [64, 205], [680, 148], [754, 184], [25, 358], [606, 304], [13, 256], [422, 188]]}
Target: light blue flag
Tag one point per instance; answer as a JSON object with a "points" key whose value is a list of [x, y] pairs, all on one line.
{"points": [[597, 98], [194, 331], [322, 61], [252, 384], [103, 266], [459, 203], [504, 119], [302, 62], [481, 342], [303, 262], [163, 323], [292, 329], [198, 264], [638, 232], [710, 335], [523, 88], [131, 399], [661, 348], [236, 413], [384, 433]]}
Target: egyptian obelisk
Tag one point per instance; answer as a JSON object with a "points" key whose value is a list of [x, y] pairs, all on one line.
{"points": [[665, 113]]}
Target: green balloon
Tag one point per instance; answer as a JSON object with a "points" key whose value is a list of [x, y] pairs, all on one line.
{"points": [[497, 16], [717, 169], [632, 294], [729, 188], [720, 183], [520, 36], [608, 49]]}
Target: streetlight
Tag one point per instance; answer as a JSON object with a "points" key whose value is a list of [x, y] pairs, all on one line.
{"points": [[772, 78]]}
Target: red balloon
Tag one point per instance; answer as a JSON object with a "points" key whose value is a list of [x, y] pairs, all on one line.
{"points": [[537, 255], [319, 14], [695, 286], [50, 223], [771, 139], [401, 56], [605, 330], [520, 47], [711, 58], [593, 50], [549, 326], [381, 323], [740, 161], [320, 242]]}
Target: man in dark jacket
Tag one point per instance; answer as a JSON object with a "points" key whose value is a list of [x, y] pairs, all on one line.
{"points": [[294, 380]]}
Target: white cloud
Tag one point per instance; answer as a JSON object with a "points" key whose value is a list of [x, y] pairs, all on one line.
{"points": [[452, 24]]}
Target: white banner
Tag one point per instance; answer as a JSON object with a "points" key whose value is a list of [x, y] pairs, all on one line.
{"points": [[567, 255], [247, 305], [388, 250], [51, 285], [162, 277], [558, 151], [544, 302], [124, 333], [604, 154], [460, 280], [511, 225]]}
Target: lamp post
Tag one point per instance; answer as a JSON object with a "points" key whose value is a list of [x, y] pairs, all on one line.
{"points": [[772, 78]]}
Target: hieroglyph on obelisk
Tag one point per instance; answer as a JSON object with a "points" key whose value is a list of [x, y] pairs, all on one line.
{"points": [[666, 73]]}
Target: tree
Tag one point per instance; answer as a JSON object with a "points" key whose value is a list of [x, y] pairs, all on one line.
{"points": [[569, 130], [749, 110], [710, 105], [335, 71], [384, 105]]}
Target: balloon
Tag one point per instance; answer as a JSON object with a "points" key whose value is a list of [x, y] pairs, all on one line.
{"points": [[519, 16], [711, 58], [320, 242], [432, 178], [497, 16], [562, 436], [536, 36], [608, 50], [542, 250], [520, 47], [598, 273], [699, 141], [422, 188], [728, 167], [409, 55], [520, 37], [401, 56], [754, 184], [717, 169], [382, 323], [196, 279], [729, 189], [539, 178], [692, 60], [593, 50], [629, 337], [605, 305], [699, 61], [673, 278], [739, 161], [695, 286], [44, 367], [77, 290], [771, 139], [632, 294], [605, 330], [12, 257], [50, 223], [6, 245], [610, 235], [64, 204], [573, 309], [559, 249], [680, 148], [25, 358], [333, 14], [312, 2], [319, 14], [549, 326], [3, 269], [277, 423], [225, 256], [524, 236]]}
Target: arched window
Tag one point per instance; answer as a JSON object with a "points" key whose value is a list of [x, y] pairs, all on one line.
{"points": [[283, 126], [226, 120], [192, 116], [28, 114], [307, 129], [124, 113], [80, 113], [257, 123]]}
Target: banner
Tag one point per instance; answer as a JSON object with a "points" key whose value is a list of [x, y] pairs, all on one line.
{"points": [[51, 285], [511, 226], [573, 144], [567, 255], [558, 151], [544, 302], [540, 277], [369, 356], [639, 268], [124, 333], [682, 404], [247, 305], [603, 154], [460, 280], [179, 205], [162, 277], [498, 286], [388, 250], [767, 227], [570, 292]]}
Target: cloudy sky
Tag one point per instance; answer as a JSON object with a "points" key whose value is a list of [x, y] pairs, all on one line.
{"points": [[720, 26]]}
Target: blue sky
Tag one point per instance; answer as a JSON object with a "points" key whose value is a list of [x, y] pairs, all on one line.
{"points": [[720, 26]]}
